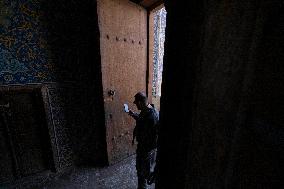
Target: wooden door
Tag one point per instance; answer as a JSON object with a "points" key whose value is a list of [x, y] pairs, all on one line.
{"points": [[123, 40]]}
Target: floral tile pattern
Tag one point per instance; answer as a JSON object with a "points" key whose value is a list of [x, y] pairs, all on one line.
{"points": [[23, 45]]}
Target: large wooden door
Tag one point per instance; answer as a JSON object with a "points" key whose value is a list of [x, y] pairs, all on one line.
{"points": [[123, 40]]}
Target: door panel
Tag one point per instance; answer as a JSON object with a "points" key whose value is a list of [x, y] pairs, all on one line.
{"points": [[123, 30]]}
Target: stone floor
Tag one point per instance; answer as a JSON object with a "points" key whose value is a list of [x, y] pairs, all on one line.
{"points": [[119, 176]]}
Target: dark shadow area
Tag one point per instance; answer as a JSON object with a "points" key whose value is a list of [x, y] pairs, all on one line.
{"points": [[74, 49], [222, 104], [180, 58]]}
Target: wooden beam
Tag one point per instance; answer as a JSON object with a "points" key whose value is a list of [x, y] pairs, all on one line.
{"points": [[155, 5], [148, 4]]}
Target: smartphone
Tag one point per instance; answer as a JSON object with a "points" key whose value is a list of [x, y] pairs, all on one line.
{"points": [[126, 108]]}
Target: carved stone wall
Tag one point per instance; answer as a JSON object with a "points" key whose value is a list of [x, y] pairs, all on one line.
{"points": [[77, 137]]}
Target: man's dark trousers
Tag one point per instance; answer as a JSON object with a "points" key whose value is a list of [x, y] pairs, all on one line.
{"points": [[144, 165]]}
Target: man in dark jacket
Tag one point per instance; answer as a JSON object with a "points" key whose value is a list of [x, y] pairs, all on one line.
{"points": [[146, 136]]}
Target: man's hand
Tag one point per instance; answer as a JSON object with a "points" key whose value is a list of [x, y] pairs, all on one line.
{"points": [[133, 114]]}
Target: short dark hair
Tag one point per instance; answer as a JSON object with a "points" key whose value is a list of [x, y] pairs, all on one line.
{"points": [[141, 97]]}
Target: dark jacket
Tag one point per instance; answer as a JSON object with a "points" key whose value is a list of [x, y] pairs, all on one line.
{"points": [[146, 130]]}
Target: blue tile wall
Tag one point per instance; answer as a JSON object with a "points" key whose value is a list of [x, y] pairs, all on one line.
{"points": [[23, 45]]}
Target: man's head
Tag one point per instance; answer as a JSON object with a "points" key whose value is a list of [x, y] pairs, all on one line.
{"points": [[141, 100]]}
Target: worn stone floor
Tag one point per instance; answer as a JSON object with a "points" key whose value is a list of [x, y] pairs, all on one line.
{"points": [[119, 176]]}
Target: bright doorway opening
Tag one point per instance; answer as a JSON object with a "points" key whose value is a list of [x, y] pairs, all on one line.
{"points": [[157, 38]]}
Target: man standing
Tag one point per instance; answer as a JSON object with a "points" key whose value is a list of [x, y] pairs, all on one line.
{"points": [[146, 136]]}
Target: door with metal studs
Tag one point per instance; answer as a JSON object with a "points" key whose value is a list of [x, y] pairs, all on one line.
{"points": [[123, 43]]}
